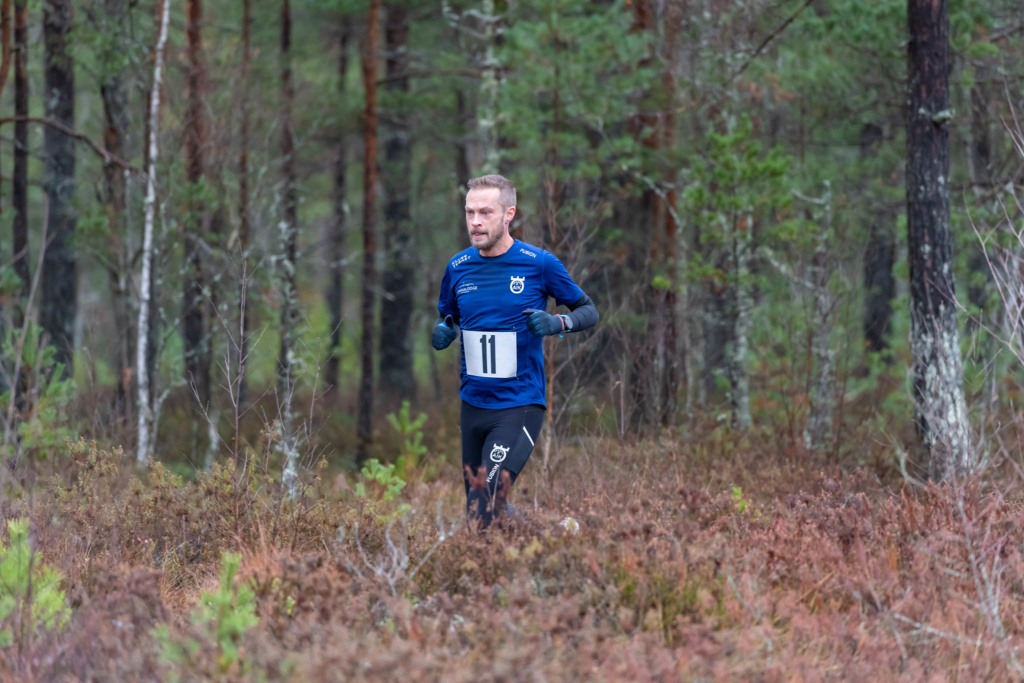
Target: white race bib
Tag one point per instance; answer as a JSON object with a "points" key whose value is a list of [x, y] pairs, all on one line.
{"points": [[490, 354]]}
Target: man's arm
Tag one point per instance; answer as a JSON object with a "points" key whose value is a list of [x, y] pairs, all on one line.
{"points": [[444, 327], [557, 283], [582, 314]]}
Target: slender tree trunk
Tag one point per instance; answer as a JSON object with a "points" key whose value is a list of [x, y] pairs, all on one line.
{"points": [[979, 160], [146, 426], [718, 333], [115, 110], [20, 180], [941, 412], [60, 270], [289, 239], [197, 359], [979, 289], [335, 294], [153, 338], [818, 428], [490, 87], [396, 377], [879, 259], [370, 48], [739, 381], [462, 170], [670, 380], [243, 204]]}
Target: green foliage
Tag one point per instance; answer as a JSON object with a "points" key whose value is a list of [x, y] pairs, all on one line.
{"points": [[384, 476], [47, 394], [22, 571], [738, 500], [734, 183], [660, 282], [224, 614], [568, 55], [412, 430]]}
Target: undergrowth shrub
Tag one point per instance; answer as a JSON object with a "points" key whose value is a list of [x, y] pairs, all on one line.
{"points": [[222, 617], [31, 599], [686, 565]]}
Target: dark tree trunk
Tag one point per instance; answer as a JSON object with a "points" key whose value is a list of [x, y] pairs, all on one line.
{"points": [[243, 204], [20, 180], [371, 43], [879, 283], [289, 209], [879, 258], [335, 294], [60, 272], [197, 358], [115, 110], [670, 338], [937, 366], [396, 376], [718, 336], [979, 160]]}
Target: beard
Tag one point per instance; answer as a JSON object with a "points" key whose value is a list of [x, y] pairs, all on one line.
{"points": [[489, 240]]}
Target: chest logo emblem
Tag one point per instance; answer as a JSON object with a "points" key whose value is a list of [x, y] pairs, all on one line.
{"points": [[498, 453], [517, 285]]}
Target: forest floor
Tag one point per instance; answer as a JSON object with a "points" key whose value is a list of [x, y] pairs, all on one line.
{"points": [[714, 560]]}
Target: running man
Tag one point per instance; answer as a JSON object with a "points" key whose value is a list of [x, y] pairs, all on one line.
{"points": [[497, 292]]}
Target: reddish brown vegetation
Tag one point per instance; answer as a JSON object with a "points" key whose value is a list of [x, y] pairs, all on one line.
{"points": [[673, 576]]}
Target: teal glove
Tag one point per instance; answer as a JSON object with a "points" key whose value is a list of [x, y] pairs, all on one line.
{"points": [[444, 334]]}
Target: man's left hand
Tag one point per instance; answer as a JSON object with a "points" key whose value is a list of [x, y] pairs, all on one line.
{"points": [[542, 324]]}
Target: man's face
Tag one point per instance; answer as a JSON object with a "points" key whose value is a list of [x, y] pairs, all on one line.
{"points": [[485, 219]]}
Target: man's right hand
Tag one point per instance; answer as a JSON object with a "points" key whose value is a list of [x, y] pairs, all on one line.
{"points": [[444, 334]]}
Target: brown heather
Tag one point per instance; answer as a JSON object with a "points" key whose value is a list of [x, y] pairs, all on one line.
{"points": [[674, 576]]}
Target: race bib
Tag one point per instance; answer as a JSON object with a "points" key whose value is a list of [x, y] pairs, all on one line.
{"points": [[490, 354]]}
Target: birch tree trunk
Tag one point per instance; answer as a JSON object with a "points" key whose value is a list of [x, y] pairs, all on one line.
{"points": [[60, 267], [739, 380], [339, 228], [364, 425], [289, 239], [818, 428], [397, 381], [145, 401], [940, 409], [487, 109]]}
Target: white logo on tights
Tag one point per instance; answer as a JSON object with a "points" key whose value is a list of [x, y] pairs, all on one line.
{"points": [[498, 453]]}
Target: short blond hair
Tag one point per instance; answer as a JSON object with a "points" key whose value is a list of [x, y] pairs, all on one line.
{"points": [[506, 190]]}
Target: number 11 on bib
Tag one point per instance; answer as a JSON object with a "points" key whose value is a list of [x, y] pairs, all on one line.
{"points": [[490, 354]]}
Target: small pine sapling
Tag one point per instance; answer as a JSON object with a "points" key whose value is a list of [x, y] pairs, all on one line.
{"points": [[413, 447], [30, 596], [225, 614]]}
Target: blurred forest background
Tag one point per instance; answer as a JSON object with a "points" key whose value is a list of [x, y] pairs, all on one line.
{"points": [[726, 180]]}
